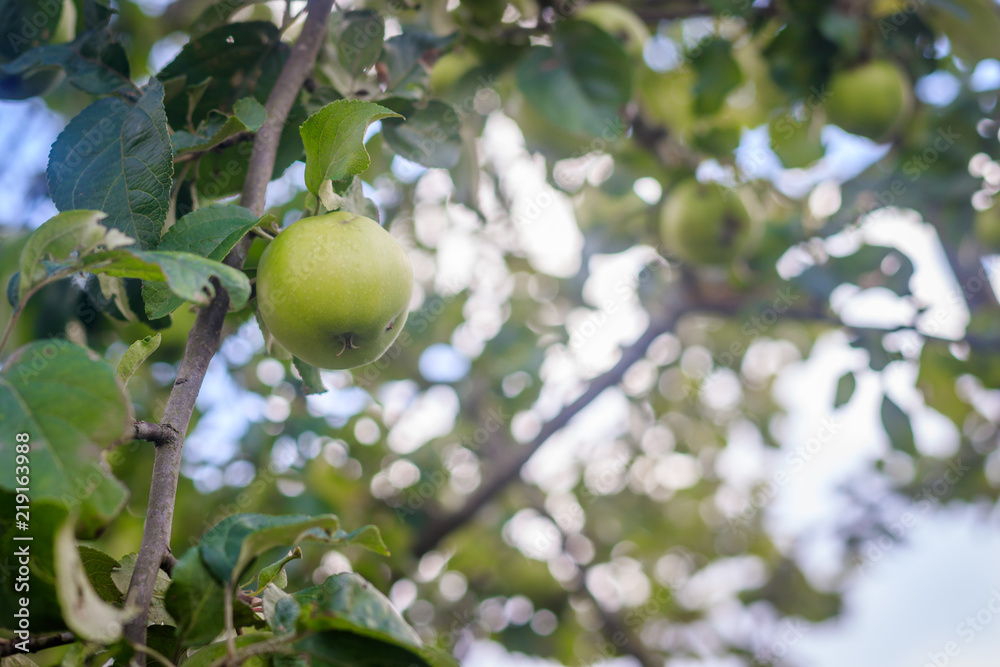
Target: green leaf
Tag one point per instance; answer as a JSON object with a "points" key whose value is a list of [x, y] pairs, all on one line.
{"points": [[248, 116], [359, 36], [231, 545], [58, 238], [99, 566], [222, 171], [213, 653], [137, 353], [218, 13], [333, 140], [580, 82], [280, 609], [275, 572], [357, 625], [402, 56], [72, 406], [86, 614], [718, 74], [210, 231], [368, 537], [312, 382], [237, 60], [429, 135], [845, 389], [115, 156], [346, 601], [26, 24], [91, 62], [122, 577], [188, 275], [897, 426], [194, 599]]}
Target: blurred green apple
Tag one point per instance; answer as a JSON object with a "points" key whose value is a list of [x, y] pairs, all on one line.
{"points": [[334, 290], [869, 100], [705, 223]]}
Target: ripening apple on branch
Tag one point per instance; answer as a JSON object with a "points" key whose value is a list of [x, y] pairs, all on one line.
{"points": [[334, 290]]}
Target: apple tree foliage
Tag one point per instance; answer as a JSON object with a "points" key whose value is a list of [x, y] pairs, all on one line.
{"points": [[433, 118]]}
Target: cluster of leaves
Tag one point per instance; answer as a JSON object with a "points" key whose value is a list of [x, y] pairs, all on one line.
{"points": [[139, 176]]}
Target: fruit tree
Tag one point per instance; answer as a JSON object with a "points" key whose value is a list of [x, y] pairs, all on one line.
{"points": [[385, 332]]}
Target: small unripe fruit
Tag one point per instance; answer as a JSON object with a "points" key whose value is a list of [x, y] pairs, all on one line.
{"points": [[869, 100], [334, 290], [704, 223]]}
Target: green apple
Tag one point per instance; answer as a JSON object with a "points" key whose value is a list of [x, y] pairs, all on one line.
{"points": [[334, 290], [450, 68], [705, 223], [869, 100], [666, 99]]}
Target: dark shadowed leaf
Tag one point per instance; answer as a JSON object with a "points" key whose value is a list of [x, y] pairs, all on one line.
{"points": [[359, 36], [581, 82], [114, 156], [429, 135], [718, 74], [236, 60], [845, 389], [897, 426], [92, 64], [231, 545], [194, 599]]}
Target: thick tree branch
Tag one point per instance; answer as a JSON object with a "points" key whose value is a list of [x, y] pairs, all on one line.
{"points": [[508, 470], [203, 341]]}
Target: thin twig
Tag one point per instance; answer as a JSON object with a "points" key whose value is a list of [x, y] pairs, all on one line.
{"points": [[154, 433], [153, 653], [168, 563], [439, 526], [205, 336]]}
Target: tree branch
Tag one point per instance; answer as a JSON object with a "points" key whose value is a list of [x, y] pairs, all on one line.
{"points": [[153, 433], [203, 341], [508, 470]]}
